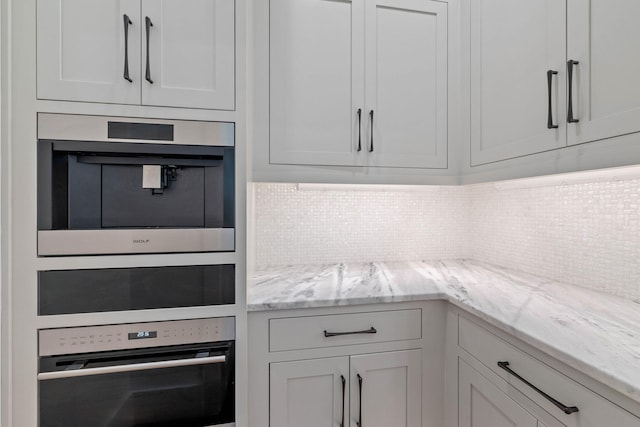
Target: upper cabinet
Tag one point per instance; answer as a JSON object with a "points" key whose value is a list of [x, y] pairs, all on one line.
{"points": [[358, 83], [549, 74], [174, 53], [517, 81], [603, 45]]}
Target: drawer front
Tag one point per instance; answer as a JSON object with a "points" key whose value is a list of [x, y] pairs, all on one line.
{"points": [[297, 333], [593, 409]]}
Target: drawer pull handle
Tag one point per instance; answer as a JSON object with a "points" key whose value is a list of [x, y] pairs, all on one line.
{"points": [[337, 334], [148, 25], [570, 64], [127, 22], [359, 130], [566, 409]]}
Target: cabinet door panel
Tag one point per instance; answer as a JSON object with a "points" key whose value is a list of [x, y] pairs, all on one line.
{"points": [[513, 43], [81, 50], [316, 81], [192, 53], [309, 393], [406, 77], [603, 37], [391, 390], [481, 404]]}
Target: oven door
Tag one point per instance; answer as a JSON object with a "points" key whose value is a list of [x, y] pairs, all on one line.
{"points": [[178, 386]]}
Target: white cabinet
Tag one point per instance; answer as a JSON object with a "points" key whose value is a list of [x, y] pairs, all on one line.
{"points": [[310, 393], [355, 83], [517, 109], [379, 389], [482, 404], [499, 384], [603, 38], [178, 53], [515, 103]]}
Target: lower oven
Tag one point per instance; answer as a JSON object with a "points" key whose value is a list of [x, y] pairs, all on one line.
{"points": [[162, 374]]}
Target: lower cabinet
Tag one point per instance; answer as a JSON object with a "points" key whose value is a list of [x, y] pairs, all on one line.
{"points": [[482, 404], [376, 390]]}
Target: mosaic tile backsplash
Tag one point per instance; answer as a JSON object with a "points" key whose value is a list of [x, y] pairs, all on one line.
{"points": [[587, 234], [310, 226]]}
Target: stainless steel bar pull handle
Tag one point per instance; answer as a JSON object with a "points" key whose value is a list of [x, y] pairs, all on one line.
{"points": [[359, 422], [570, 64], [550, 125], [371, 330], [344, 390], [127, 22], [566, 409], [131, 368], [148, 25]]}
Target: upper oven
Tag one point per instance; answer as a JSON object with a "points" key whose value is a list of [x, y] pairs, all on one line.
{"points": [[110, 185]]}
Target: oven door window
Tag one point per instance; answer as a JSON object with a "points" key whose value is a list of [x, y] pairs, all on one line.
{"points": [[186, 396]]}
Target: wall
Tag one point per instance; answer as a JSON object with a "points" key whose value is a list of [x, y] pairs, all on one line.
{"points": [[587, 234], [300, 224], [584, 233]]}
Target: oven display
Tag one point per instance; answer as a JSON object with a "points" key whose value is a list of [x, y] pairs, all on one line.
{"points": [[141, 335]]}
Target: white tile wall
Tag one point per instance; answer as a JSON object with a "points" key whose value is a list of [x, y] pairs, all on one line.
{"points": [[587, 234], [301, 226]]}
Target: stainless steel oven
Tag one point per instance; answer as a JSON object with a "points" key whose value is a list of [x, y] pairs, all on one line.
{"points": [[114, 185], [162, 374]]}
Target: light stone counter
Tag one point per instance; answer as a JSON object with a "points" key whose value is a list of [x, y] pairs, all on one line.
{"points": [[596, 333]]}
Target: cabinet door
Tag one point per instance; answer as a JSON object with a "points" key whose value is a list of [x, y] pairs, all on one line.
{"points": [[310, 393], [81, 50], [191, 53], [603, 36], [316, 81], [482, 404], [513, 43], [386, 389], [406, 83]]}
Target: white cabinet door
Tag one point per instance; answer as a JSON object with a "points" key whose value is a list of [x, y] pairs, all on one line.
{"points": [[316, 81], [190, 55], [386, 389], [513, 44], [81, 50], [603, 36], [309, 393], [482, 404], [406, 83]]}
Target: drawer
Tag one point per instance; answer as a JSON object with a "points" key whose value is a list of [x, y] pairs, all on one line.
{"points": [[297, 333], [594, 410]]}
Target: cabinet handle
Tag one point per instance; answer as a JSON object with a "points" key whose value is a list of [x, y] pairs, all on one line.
{"points": [[563, 408], [148, 25], [371, 119], [344, 383], [359, 422], [127, 22], [359, 130], [550, 124], [372, 330], [570, 64]]}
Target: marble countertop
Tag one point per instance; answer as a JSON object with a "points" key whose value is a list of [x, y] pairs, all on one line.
{"points": [[597, 334]]}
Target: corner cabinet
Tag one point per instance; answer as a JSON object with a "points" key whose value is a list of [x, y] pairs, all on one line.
{"points": [[174, 53], [358, 83]]}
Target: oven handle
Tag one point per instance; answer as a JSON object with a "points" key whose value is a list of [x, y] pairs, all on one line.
{"points": [[130, 368]]}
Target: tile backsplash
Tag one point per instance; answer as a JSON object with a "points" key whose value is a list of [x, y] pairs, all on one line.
{"points": [[299, 225], [587, 234]]}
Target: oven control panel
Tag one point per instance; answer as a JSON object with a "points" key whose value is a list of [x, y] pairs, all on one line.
{"points": [[89, 339]]}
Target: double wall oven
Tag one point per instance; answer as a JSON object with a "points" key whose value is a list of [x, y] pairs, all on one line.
{"points": [[125, 186]]}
